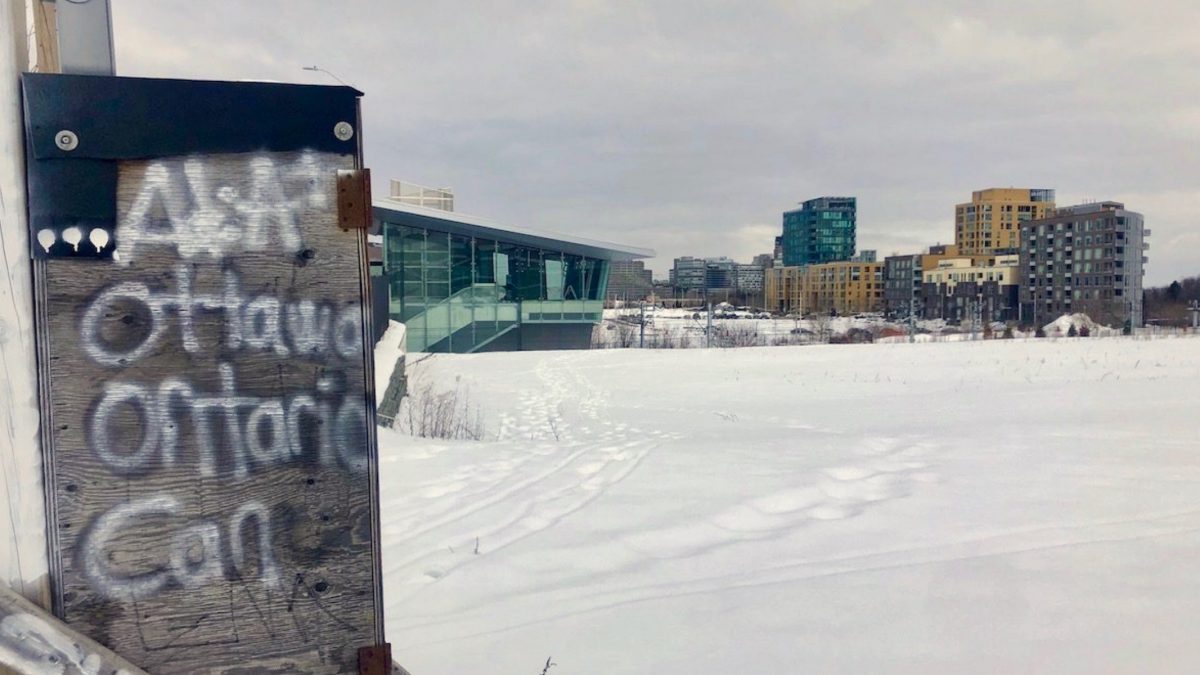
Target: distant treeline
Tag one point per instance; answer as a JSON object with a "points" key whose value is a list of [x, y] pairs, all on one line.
{"points": [[1168, 305]]}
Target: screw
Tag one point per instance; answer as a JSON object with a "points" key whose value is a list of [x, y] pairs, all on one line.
{"points": [[66, 140], [343, 131]]}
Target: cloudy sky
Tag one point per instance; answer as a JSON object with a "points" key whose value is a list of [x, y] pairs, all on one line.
{"points": [[690, 126]]}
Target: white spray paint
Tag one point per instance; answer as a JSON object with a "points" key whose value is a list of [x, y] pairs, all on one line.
{"points": [[268, 571], [244, 444], [220, 221], [194, 554], [260, 322]]}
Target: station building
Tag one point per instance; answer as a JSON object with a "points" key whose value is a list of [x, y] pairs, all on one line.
{"points": [[464, 284]]}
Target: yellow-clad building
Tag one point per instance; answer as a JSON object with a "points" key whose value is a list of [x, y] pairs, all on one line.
{"points": [[991, 221], [844, 287]]}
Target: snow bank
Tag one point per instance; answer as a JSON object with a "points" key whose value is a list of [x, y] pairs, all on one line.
{"points": [[1062, 325], [387, 354]]}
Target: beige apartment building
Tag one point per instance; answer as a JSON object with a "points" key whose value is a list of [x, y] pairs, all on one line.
{"points": [[991, 221], [952, 271], [844, 287]]}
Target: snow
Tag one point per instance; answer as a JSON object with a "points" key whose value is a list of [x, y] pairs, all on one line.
{"points": [[388, 351], [1062, 325], [987, 506]]}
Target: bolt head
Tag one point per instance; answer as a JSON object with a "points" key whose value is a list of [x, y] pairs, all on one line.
{"points": [[344, 131], [66, 140]]}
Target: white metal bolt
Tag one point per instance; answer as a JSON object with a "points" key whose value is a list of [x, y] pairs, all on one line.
{"points": [[66, 140], [343, 130]]}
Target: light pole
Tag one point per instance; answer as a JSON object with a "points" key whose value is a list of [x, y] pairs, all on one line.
{"points": [[319, 69]]}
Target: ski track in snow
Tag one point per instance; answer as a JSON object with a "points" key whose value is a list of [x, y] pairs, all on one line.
{"points": [[561, 452], [501, 501]]}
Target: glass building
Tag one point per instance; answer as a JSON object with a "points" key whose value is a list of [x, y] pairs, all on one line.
{"points": [[822, 230], [463, 284]]}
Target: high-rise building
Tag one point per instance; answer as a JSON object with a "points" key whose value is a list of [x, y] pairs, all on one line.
{"points": [[1088, 258], [821, 230], [748, 279], [629, 280], [763, 260], [991, 222], [719, 273], [688, 274]]}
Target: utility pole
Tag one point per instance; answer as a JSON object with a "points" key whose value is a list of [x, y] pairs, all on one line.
{"points": [[642, 326], [912, 320], [708, 328], [24, 565]]}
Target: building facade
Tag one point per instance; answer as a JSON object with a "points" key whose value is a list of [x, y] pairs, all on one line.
{"points": [[971, 289], [463, 284], [841, 288], [902, 285], [821, 230], [903, 276], [748, 279], [719, 274], [688, 274], [991, 222], [629, 280], [412, 194], [1088, 258]]}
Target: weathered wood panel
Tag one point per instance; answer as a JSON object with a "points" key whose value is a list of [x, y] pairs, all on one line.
{"points": [[210, 421]]}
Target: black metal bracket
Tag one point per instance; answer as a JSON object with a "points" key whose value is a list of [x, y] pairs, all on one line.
{"points": [[77, 127]]}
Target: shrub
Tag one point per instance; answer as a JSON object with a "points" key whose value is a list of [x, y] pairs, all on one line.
{"points": [[428, 413]]}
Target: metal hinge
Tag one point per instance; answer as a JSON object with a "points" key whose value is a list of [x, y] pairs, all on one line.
{"points": [[376, 660], [354, 199]]}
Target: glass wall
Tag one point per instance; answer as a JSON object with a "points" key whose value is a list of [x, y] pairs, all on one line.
{"points": [[456, 293]]}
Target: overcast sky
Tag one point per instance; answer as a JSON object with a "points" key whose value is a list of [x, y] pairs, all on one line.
{"points": [[690, 126]]}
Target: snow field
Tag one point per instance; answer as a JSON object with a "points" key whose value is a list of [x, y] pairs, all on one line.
{"points": [[1000, 506]]}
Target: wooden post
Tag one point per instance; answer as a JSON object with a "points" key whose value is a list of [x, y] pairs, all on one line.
{"points": [[23, 557], [45, 35]]}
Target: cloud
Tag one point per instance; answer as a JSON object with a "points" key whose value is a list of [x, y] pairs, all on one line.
{"points": [[691, 126]]}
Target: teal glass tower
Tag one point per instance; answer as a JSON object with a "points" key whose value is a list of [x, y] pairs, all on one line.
{"points": [[822, 230]]}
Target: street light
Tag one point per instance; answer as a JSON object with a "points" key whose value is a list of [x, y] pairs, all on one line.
{"points": [[318, 69]]}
